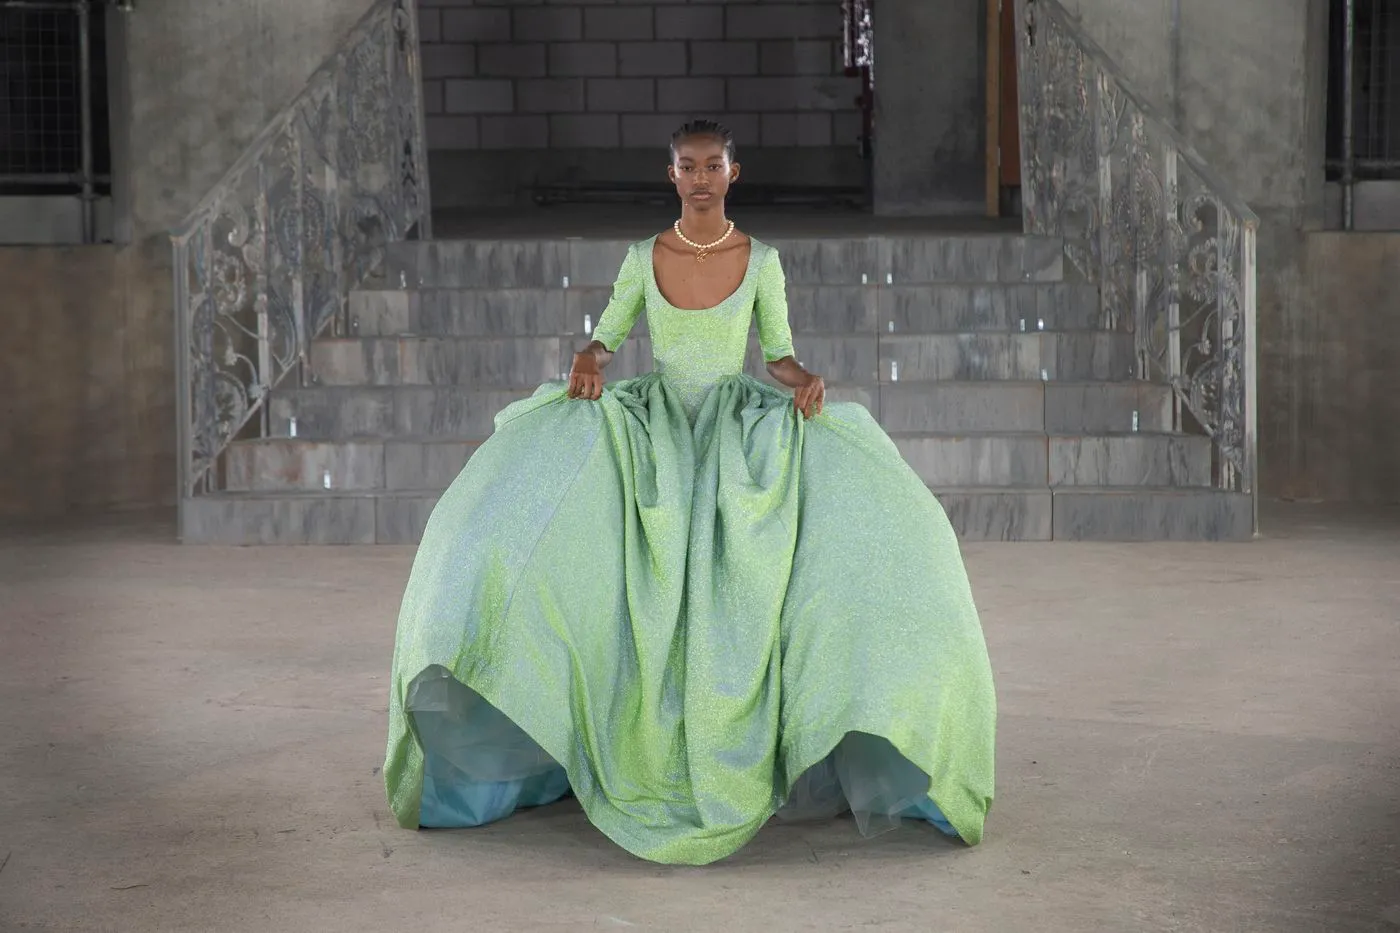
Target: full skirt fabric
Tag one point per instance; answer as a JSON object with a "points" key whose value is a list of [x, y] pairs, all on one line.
{"points": [[693, 622]]}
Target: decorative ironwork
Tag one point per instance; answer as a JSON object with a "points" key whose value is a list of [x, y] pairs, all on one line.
{"points": [[1169, 244], [268, 259], [858, 59], [857, 35]]}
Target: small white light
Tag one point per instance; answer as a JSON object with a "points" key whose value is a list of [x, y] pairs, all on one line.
{"points": [[889, 278], [1135, 420], [1044, 376], [326, 479], [292, 426], [864, 279], [588, 323], [894, 370], [1040, 323], [566, 281]]}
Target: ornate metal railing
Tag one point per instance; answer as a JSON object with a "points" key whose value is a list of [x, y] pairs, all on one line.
{"points": [[268, 259], [1169, 244]]}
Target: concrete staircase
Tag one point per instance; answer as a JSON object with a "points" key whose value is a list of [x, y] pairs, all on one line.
{"points": [[982, 362]]}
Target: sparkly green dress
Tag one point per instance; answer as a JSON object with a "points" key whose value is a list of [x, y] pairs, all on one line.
{"points": [[690, 608]]}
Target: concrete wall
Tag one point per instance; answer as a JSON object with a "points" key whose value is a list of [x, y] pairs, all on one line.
{"points": [[87, 370], [203, 78], [85, 377], [1335, 374], [590, 90], [930, 107]]}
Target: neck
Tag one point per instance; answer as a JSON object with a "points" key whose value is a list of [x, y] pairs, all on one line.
{"points": [[703, 226]]}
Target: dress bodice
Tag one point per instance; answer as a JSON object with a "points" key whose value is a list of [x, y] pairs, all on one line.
{"points": [[694, 349]]}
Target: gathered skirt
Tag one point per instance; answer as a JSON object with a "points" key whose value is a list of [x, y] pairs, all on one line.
{"points": [[692, 621]]}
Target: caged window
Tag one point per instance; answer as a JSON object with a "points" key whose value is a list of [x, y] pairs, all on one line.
{"points": [[1363, 95], [54, 126]]}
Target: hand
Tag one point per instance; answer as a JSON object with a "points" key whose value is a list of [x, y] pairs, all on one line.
{"points": [[810, 396], [585, 379]]}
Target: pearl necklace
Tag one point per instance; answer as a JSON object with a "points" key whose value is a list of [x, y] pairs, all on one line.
{"points": [[702, 250]]}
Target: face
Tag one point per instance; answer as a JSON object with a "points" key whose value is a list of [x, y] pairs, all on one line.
{"points": [[702, 172]]}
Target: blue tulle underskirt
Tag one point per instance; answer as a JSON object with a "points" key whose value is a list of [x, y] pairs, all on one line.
{"points": [[480, 767]]}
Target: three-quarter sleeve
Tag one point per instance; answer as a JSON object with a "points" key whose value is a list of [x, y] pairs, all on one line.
{"points": [[628, 299], [771, 309]]}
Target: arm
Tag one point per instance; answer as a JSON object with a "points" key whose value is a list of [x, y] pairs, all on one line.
{"points": [[775, 338], [617, 320]]}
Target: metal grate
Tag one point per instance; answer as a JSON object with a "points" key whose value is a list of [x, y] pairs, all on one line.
{"points": [[1378, 81], [1363, 113], [53, 95]]}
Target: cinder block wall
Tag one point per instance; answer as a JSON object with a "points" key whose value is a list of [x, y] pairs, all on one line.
{"points": [[520, 92]]}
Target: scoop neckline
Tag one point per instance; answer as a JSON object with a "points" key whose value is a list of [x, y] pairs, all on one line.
{"points": [[656, 286]]}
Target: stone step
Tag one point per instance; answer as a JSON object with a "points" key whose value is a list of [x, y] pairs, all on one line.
{"points": [[977, 514], [523, 362], [334, 412], [301, 518], [1004, 514], [361, 465], [941, 460], [475, 312], [888, 260], [357, 411], [1067, 357], [1054, 407], [997, 460], [817, 309], [1138, 514], [1098, 514]]}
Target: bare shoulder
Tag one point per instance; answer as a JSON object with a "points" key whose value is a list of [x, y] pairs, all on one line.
{"points": [[668, 241]]}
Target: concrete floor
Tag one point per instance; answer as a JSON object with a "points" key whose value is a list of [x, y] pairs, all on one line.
{"points": [[1193, 737]]}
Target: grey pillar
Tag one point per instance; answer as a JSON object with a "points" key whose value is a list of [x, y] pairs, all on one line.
{"points": [[929, 107]]}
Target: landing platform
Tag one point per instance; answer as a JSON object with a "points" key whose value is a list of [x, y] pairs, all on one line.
{"points": [[618, 221]]}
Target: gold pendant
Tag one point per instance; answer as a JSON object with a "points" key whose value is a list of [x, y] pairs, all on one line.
{"points": [[701, 255]]}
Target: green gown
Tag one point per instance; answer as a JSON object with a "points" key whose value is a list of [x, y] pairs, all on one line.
{"points": [[690, 608]]}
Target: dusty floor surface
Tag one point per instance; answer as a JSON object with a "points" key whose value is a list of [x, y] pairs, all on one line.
{"points": [[1199, 737]]}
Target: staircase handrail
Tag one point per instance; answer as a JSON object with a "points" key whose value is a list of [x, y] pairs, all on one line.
{"points": [[1171, 245], [267, 260]]}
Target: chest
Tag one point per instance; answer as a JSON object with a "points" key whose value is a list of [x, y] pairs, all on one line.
{"points": [[686, 283]]}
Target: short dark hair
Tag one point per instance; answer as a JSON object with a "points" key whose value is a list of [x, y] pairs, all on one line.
{"points": [[703, 128]]}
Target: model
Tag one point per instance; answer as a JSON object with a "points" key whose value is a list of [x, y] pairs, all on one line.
{"points": [[691, 599]]}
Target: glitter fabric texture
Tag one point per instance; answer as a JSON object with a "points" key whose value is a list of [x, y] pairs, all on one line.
{"points": [[690, 608]]}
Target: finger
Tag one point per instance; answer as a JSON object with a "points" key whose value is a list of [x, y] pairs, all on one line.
{"points": [[821, 401], [596, 389]]}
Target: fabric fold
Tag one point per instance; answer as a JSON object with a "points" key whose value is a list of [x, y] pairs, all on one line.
{"points": [[692, 621]]}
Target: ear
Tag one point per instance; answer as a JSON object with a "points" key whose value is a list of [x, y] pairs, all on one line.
{"points": [[671, 172], [733, 172]]}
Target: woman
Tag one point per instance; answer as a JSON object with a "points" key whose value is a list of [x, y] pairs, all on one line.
{"points": [[690, 599]]}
